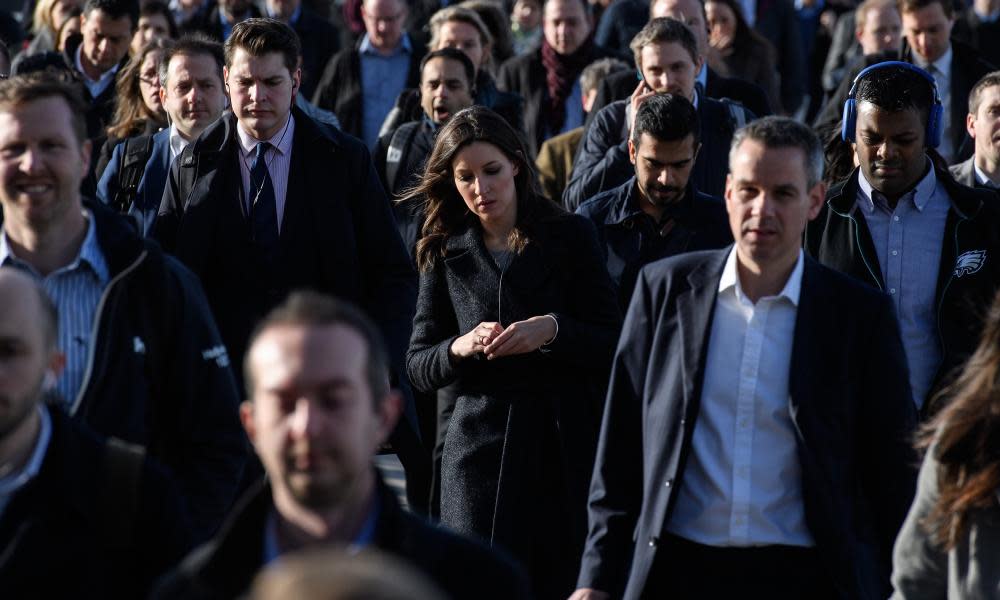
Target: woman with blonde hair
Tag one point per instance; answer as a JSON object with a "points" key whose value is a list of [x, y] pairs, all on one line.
{"points": [[46, 21]]}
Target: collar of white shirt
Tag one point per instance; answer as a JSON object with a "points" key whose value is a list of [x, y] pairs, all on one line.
{"points": [[177, 142], [282, 139], [982, 178], [730, 279]]}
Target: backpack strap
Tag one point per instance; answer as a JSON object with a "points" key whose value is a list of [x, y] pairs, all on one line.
{"points": [[135, 155], [399, 147], [123, 464]]}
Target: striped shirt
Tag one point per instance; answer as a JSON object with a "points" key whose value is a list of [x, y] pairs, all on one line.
{"points": [[76, 290], [278, 160]]}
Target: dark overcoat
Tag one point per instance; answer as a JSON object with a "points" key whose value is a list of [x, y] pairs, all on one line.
{"points": [[519, 448]]}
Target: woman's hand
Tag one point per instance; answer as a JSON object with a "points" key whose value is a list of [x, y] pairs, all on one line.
{"points": [[476, 340], [523, 337]]}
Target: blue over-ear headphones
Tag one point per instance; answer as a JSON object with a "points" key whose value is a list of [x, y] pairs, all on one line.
{"points": [[934, 117]]}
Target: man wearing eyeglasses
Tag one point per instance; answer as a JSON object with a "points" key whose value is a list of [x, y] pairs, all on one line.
{"points": [[360, 84]]}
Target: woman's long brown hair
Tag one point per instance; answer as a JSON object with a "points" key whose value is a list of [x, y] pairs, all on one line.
{"points": [[445, 211], [131, 113], [966, 438]]}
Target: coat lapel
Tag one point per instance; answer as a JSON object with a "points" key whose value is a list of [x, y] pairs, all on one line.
{"points": [[806, 362], [469, 263], [695, 307]]}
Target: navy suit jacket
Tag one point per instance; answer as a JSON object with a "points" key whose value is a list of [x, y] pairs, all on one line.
{"points": [[849, 400], [150, 190]]}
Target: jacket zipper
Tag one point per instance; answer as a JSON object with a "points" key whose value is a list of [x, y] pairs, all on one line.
{"points": [[951, 277], [861, 252], [98, 314]]}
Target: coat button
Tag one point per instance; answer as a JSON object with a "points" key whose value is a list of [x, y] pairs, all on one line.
{"points": [[653, 542], [668, 483], [684, 422]]}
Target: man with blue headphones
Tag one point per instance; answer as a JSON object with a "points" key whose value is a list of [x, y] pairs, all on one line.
{"points": [[901, 223]]}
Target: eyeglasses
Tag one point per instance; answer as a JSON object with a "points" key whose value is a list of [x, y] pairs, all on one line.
{"points": [[153, 81]]}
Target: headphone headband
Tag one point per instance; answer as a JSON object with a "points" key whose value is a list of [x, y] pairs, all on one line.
{"points": [[935, 117], [896, 63]]}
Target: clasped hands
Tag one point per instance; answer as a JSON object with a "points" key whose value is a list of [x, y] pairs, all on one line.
{"points": [[494, 340]]}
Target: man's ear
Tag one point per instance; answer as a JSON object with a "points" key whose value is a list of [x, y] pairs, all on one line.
{"points": [[389, 410], [970, 125], [631, 151], [246, 418], [817, 195]]}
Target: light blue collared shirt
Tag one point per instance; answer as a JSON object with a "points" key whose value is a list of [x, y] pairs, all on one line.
{"points": [[12, 483], [97, 86], [382, 80], [908, 241], [76, 290], [743, 482]]}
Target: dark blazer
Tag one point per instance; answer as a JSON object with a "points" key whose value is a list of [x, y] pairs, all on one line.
{"points": [[150, 190], [967, 67], [320, 41], [207, 21], [69, 532], [225, 566], [839, 238], [983, 36], [100, 110], [339, 88], [631, 239], [525, 75], [518, 450], [602, 162], [778, 21], [853, 423], [619, 86]]}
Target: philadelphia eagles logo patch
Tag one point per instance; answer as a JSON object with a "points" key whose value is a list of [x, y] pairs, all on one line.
{"points": [[969, 262]]}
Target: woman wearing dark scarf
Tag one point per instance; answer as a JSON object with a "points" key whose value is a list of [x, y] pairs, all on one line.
{"points": [[548, 79]]}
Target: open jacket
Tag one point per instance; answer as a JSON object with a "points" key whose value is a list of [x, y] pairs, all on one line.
{"points": [[968, 274]]}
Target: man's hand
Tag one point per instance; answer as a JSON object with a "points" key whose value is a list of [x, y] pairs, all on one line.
{"points": [[642, 91]]}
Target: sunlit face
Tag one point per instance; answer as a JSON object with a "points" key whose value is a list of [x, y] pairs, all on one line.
{"points": [[41, 164], [69, 28], [984, 126], [565, 25], [151, 27], [105, 41], [312, 418], [193, 94], [283, 9], [62, 10], [721, 24], [688, 12], [927, 31], [669, 68], [527, 14], [484, 178], [262, 91], [769, 202], [890, 147], [384, 21], [882, 31], [464, 37], [444, 89], [662, 168], [149, 82]]}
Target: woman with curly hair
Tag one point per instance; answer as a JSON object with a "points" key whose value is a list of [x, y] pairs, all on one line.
{"points": [[516, 313]]}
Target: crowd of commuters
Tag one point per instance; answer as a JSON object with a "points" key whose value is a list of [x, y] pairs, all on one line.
{"points": [[537, 299]]}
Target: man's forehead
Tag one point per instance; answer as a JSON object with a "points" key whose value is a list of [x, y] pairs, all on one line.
{"points": [[876, 117]]}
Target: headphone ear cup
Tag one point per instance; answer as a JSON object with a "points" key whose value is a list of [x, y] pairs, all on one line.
{"points": [[934, 120], [848, 120]]}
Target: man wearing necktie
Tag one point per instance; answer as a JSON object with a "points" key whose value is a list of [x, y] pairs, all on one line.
{"points": [[267, 201], [983, 125]]}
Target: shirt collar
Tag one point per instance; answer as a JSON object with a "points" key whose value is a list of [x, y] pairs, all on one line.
{"points": [[404, 46], [942, 64], [177, 142], [78, 61], [90, 254], [921, 193], [282, 139], [702, 77], [12, 482], [981, 177], [730, 279]]}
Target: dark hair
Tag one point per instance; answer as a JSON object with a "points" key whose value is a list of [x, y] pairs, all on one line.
{"points": [[23, 89], [131, 112], [498, 23], [452, 54], [445, 211], [914, 5], [966, 434], [895, 89], [312, 309], [662, 31], [744, 36], [155, 7], [667, 117], [192, 44], [597, 71], [116, 9], [782, 132], [258, 37], [976, 93], [5, 53]]}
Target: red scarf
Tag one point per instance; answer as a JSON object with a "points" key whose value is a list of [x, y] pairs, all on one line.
{"points": [[561, 72]]}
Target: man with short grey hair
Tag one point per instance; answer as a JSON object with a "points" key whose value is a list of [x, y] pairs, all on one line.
{"points": [[746, 431]]}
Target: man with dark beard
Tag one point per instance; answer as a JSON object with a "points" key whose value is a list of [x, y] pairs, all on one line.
{"points": [[320, 406], [658, 212]]}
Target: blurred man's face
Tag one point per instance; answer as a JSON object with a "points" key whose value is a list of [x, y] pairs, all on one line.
{"points": [[668, 68], [105, 41], [927, 31], [193, 95], [464, 37], [662, 168], [384, 21], [312, 419], [283, 9], [444, 89], [527, 14], [690, 13], [890, 148], [882, 30], [151, 27], [235, 8], [565, 25], [984, 126]]}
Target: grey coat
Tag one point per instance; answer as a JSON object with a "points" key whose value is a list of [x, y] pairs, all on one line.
{"points": [[519, 449], [922, 570]]}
